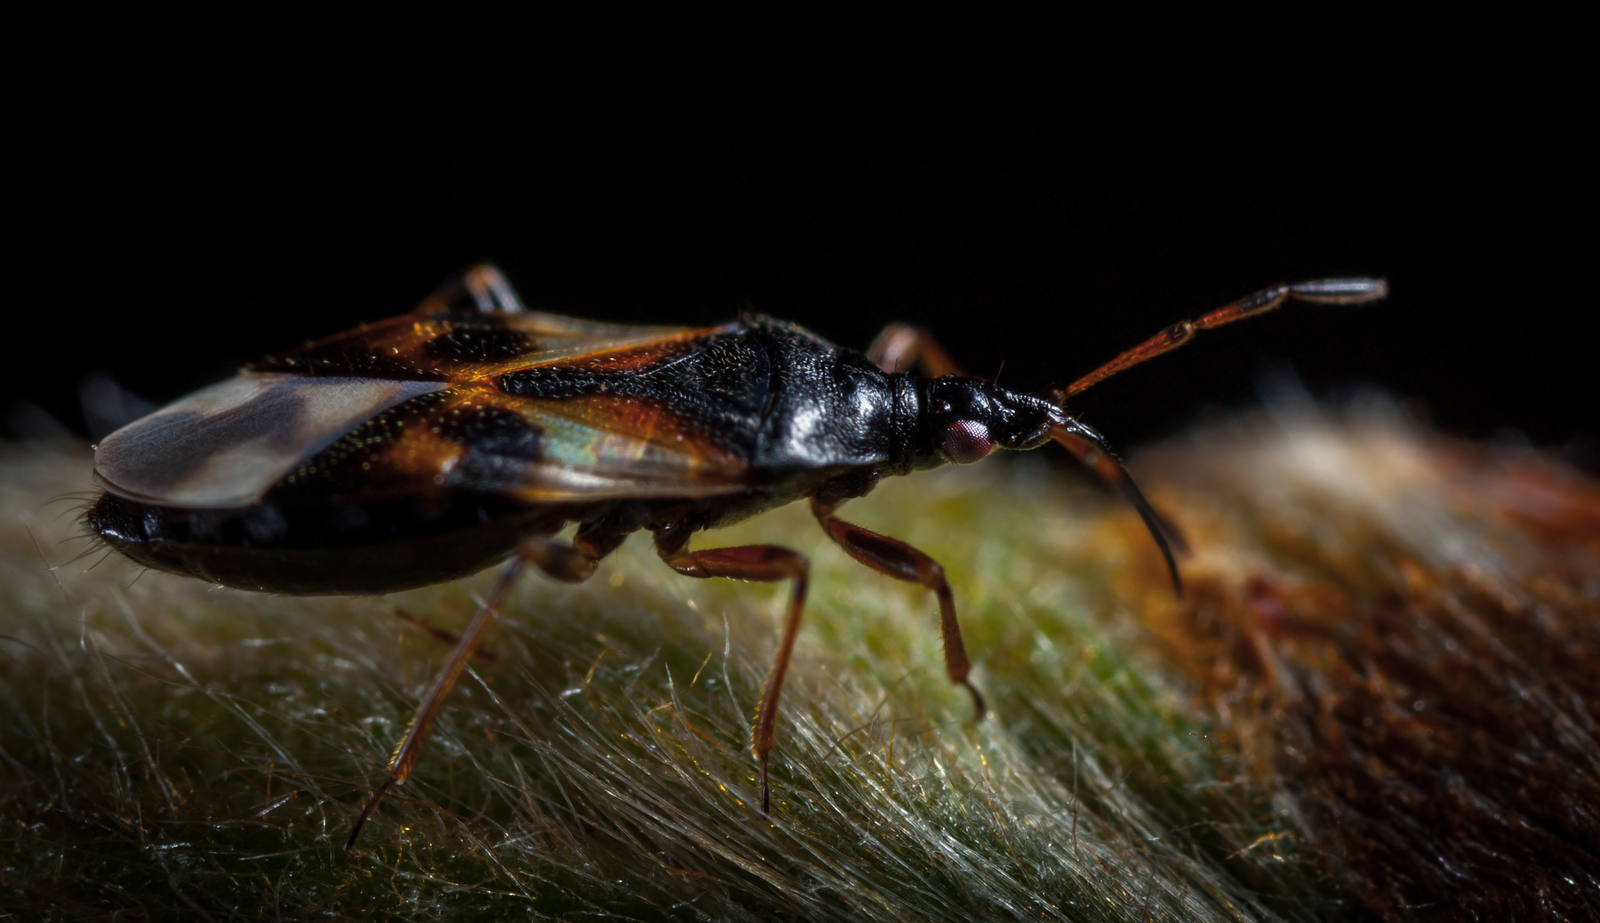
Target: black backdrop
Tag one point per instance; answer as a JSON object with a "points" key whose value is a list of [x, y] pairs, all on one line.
{"points": [[169, 240]]}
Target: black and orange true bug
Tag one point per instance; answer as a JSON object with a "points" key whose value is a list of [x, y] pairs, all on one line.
{"points": [[471, 430]]}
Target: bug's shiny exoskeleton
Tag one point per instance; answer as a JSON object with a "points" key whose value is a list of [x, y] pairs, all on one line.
{"points": [[470, 431]]}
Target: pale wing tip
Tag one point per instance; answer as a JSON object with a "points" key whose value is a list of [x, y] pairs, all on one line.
{"points": [[225, 446]]}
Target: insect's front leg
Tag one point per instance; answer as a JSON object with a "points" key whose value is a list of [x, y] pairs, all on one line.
{"points": [[767, 564], [894, 558], [901, 346]]}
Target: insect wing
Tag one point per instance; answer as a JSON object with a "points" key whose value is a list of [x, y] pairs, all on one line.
{"points": [[445, 346], [476, 438], [225, 446], [473, 435], [410, 405]]}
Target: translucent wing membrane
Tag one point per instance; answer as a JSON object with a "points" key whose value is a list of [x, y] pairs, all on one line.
{"points": [[226, 445]]}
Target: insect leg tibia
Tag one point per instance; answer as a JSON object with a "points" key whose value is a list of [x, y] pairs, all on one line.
{"points": [[410, 746], [764, 564], [894, 558], [439, 634]]}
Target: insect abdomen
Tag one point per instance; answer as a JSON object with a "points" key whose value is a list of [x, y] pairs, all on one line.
{"points": [[326, 548]]}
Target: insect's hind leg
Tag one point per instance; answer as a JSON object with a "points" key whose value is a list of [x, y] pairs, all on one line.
{"points": [[568, 563], [766, 564], [439, 634], [894, 558], [410, 747]]}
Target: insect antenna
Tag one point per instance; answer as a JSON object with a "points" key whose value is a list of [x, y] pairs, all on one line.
{"points": [[1322, 291], [1089, 448]]}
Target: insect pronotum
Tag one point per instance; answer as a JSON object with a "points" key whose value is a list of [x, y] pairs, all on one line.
{"points": [[470, 431]]}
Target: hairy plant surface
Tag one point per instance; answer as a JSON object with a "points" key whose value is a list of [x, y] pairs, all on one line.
{"points": [[1378, 699]]}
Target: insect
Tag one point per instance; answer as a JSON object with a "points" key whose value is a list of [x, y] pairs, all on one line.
{"points": [[470, 431]]}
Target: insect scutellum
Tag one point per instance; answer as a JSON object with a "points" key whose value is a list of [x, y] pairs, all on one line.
{"points": [[471, 430]]}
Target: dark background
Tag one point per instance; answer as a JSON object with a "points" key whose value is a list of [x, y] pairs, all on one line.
{"points": [[173, 237]]}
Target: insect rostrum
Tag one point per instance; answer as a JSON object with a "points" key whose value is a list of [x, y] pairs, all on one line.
{"points": [[470, 431]]}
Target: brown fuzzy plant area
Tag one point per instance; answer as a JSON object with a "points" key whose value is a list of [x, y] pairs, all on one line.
{"points": [[1377, 700]]}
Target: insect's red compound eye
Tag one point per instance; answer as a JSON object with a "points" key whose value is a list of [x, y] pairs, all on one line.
{"points": [[965, 441]]}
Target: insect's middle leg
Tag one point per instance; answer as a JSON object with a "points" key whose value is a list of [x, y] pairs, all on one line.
{"points": [[767, 564], [576, 562], [894, 558]]}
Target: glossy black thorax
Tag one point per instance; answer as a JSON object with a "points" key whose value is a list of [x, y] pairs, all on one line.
{"points": [[781, 398]]}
